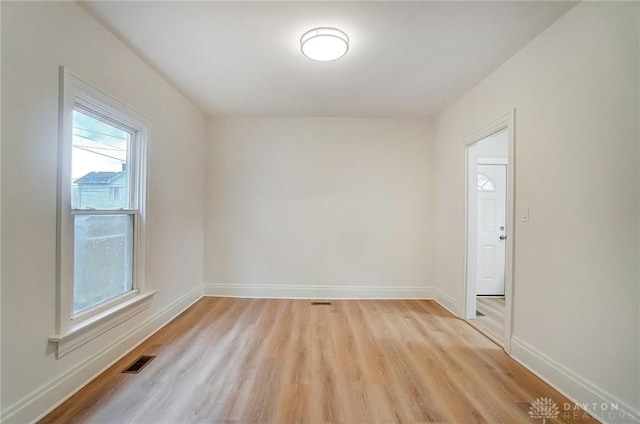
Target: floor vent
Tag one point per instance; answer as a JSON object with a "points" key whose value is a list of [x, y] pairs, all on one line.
{"points": [[320, 303], [138, 365]]}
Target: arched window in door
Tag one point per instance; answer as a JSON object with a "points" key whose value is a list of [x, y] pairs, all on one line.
{"points": [[485, 183]]}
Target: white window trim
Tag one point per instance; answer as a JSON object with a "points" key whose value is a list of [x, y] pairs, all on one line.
{"points": [[74, 330]]}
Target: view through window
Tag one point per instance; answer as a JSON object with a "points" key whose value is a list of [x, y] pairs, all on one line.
{"points": [[100, 193]]}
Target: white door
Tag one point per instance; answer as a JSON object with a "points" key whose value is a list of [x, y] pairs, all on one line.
{"points": [[492, 186]]}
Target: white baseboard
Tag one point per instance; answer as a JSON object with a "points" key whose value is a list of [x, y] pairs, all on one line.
{"points": [[445, 301], [600, 404], [277, 291], [50, 395]]}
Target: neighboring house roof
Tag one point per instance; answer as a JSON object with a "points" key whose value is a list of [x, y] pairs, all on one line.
{"points": [[99, 178]]}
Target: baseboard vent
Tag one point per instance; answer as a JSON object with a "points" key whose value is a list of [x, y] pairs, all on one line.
{"points": [[138, 365], [320, 303]]}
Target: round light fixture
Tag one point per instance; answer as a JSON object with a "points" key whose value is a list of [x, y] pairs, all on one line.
{"points": [[324, 44]]}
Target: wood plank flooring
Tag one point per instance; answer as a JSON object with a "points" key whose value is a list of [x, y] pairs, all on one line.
{"points": [[493, 316], [230, 360]]}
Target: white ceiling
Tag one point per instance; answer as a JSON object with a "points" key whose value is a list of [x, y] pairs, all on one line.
{"points": [[405, 58]]}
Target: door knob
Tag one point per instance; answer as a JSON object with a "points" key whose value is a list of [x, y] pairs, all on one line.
{"points": [[503, 237]]}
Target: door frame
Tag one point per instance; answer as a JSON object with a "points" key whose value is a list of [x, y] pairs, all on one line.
{"points": [[507, 122]]}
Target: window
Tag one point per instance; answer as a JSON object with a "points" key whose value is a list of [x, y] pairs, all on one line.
{"points": [[101, 216], [115, 194], [485, 183], [102, 243]]}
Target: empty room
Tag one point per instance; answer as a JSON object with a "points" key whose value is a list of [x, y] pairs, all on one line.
{"points": [[319, 211]]}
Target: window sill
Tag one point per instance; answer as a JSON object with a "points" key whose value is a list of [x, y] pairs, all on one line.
{"points": [[87, 330]]}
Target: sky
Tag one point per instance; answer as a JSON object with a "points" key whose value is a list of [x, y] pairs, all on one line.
{"points": [[97, 146]]}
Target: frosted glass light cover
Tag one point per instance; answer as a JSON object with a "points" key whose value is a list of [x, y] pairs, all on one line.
{"points": [[324, 44]]}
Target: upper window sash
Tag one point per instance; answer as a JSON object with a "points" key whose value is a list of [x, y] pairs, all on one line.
{"points": [[132, 145]]}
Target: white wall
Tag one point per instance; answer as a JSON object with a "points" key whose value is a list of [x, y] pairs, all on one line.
{"points": [[575, 88], [36, 39], [334, 207]]}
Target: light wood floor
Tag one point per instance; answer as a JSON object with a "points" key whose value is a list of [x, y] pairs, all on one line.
{"points": [[283, 361], [493, 316]]}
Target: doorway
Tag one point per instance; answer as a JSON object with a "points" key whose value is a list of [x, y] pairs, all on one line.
{"points": [[489, 237], [490, 229]]}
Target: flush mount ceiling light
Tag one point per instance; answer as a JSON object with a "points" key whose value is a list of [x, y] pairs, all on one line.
{"points": [[324, 44]]}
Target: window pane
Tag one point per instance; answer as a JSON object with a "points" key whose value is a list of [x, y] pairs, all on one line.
{"points": [[485, 183], [102, 258], [98, 165]]}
